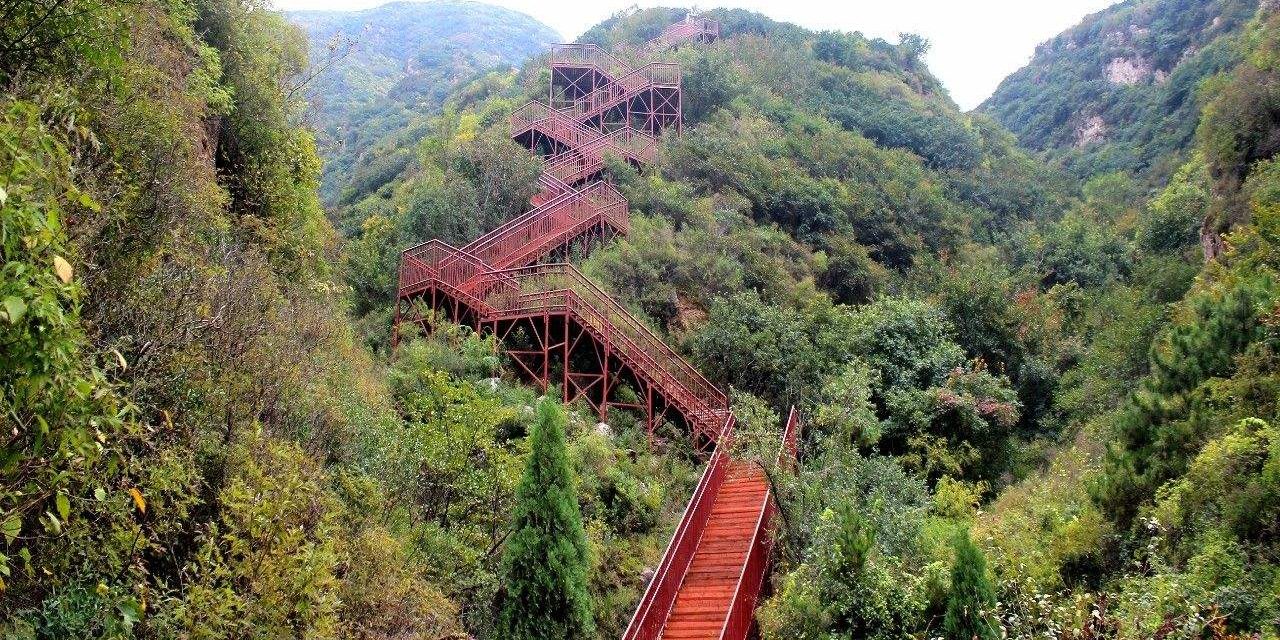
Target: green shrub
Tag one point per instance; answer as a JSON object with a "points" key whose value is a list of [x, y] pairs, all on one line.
{"points": [[545, 563], [971, 599]]}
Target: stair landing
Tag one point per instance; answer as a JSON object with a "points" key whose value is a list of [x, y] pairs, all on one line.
{"points": [[708, 588]]}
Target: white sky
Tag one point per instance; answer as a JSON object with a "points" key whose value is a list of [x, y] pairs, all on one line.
{"points": [[976, 43]]}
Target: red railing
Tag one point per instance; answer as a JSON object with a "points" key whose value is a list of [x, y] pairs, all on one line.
{"points": [[654, 74], [655, 605], [553, 122], [743, 604], [561, 126], [504, 293], [690, 27], [580, 54], [577, 164], [562, 287], [438, 263], [532, 234], [650, 617]]}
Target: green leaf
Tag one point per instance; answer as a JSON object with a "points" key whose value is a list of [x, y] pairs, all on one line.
{"points": [[64, 506], [11, 528], [100, 494], [130, 611], [14, 307]]}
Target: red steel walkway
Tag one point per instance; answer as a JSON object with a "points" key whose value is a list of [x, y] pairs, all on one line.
{"points": [[713, 571], [560, 328]]}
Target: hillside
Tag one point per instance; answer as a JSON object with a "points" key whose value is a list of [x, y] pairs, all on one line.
{"points": [[1120, 91], [1037, 402], [381, 67]]}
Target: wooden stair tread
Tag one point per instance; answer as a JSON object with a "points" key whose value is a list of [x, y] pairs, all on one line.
{"points": [[711, 581]]}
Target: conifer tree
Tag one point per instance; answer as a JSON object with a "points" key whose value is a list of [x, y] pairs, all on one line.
{"points": [[972, 597], [545, 562]]}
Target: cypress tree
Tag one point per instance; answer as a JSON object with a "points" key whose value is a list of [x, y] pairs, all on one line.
{"points": [[972, 598], [545, 562]]}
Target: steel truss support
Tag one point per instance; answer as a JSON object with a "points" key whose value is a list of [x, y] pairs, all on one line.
{"points": [[556, 347], [570, 83], [655, 109]]}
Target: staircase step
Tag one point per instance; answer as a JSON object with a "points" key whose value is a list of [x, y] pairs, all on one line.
{"points": [[711, 581]]}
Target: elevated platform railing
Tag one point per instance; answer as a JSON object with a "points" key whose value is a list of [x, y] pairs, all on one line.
{"points": [[585, 54], [529, 233], [550, 288], [577, 164], [555, 287], [553, 122], [649, 76], [692, 27], [437, 263], [559, 125], [659, 597]]}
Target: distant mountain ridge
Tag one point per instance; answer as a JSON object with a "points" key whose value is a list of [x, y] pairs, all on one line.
{"points": [[1118, 91], [390, 62]]}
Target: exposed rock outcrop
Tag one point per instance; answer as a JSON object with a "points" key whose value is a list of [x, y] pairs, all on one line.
{"points": [[1128, 71], [1092, 130]]}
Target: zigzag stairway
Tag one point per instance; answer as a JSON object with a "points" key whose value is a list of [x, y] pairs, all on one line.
{"points": [[554, 322]]}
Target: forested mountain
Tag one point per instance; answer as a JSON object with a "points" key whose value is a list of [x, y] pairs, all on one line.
{"points": [[1040, 400], [377, 69], [1122, 90]]}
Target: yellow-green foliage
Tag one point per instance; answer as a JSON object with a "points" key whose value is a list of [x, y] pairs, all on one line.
{"points": [[1036, 528], [1233, 484], [266, 566]]}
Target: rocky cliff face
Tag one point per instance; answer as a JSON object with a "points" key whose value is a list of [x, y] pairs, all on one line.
{"points": [[1117, 92], [1129, 71]]}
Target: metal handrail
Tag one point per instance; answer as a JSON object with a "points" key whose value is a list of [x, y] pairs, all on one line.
{"points": [[587, 54], [555, 282], [439, 262], [660, 595], [650, 75], [737, 622], [690, 27], [604, 193], [576, 164], [535, 112]]}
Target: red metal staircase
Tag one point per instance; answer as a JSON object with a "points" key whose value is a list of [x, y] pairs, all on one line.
{"points": [[713, 570], [566, 315], [558, 327], [563, 323]]}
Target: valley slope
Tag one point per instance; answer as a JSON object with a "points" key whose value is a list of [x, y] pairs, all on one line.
{"points": [[1120, 91], [381, 67]]}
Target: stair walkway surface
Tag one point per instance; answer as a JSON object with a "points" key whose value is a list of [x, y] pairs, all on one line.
{"points": [[562, 329], [712, 580]]}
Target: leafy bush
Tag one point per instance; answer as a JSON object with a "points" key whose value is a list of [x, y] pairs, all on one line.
{"points": [[844, 590]]}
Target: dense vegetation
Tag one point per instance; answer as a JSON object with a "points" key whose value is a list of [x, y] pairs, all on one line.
{"points": [[200, 445], [378, 69], [1033, 407], [1122, 90]]}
